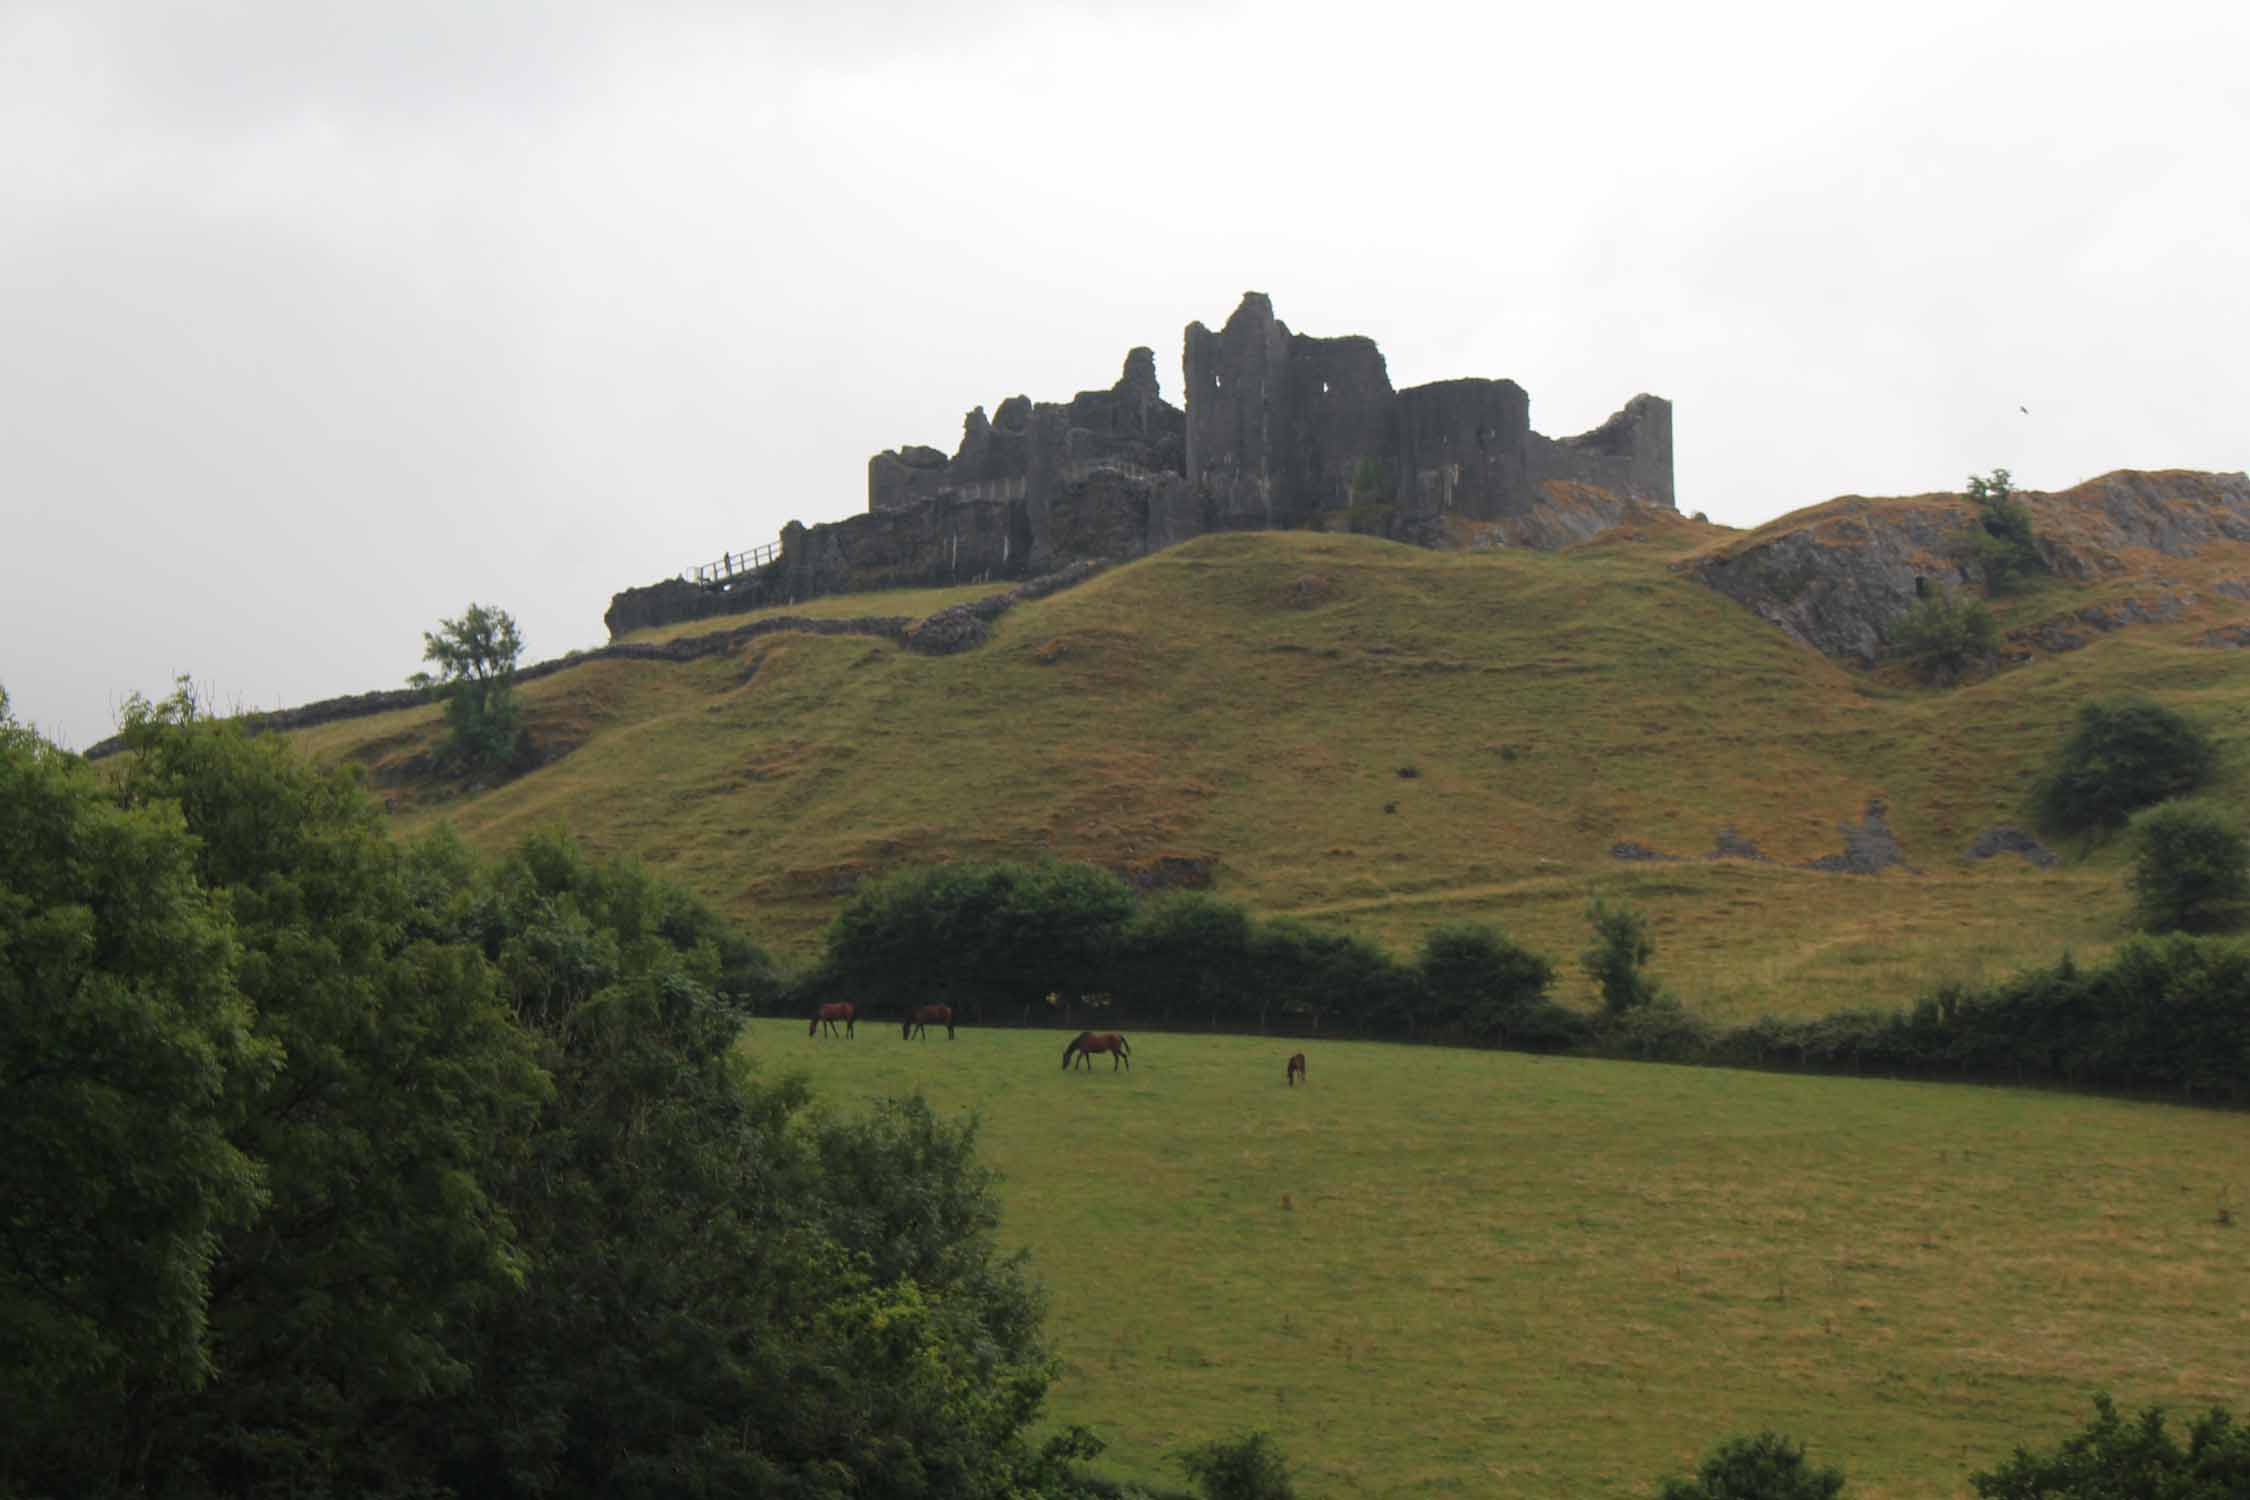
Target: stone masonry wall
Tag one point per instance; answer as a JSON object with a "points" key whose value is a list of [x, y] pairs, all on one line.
{"points": [[1278, 428]]}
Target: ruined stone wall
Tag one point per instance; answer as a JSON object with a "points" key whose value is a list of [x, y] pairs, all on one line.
{"points": [[1024, 449], [1464, 449], [1282, 426], [1278, 429], [1628, 455]]}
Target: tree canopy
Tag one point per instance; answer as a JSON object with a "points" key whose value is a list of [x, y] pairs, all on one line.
{"points": [[335, 1166], [2125, 754], [476, 658]]}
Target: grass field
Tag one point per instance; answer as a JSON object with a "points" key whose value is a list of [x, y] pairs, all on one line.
{"points": [[1371, 737], [1455, 1272]]}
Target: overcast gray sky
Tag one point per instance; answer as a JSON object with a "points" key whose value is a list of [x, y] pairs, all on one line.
{"points": [[319, 321]]}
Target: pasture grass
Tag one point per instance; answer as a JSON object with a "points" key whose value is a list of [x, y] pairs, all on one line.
{"points": [[1434, 1271]]}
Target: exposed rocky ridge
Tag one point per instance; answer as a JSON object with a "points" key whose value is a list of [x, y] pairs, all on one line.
{"points": [[936, 634], [1278, 429], [1839, 576]]}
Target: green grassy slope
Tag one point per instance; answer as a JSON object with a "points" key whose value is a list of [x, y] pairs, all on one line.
{"points": [[1372, 736], [1435, 1271]]}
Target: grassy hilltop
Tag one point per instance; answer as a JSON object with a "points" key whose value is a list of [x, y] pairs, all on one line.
{"points": [[1378, 737]]}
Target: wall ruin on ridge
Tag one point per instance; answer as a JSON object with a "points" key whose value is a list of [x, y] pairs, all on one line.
{"points": [[1279, 429]]}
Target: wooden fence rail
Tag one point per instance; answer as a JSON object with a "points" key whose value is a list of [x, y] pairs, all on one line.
{"points": [[734, 564]]}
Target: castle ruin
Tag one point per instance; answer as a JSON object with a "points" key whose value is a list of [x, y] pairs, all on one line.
{"points": [[1279, 429]]}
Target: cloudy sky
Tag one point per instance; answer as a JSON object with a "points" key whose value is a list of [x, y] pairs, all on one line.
{"points": [[319, 321]]}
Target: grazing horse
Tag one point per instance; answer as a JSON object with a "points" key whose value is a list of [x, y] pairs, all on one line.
{"points": [[829, 1015], [920, 1021], [1297, 1069], [1086, 1044]]}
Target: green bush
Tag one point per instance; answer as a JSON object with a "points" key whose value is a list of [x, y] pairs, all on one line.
{"points": [[2190, 865], [1766, 1467], [2112, 1458], [476, 657], [1621, 946], [1943, 636], [2126, 754], [1473, 976], [2002, 545], [1249, 1467], [980, 936]]}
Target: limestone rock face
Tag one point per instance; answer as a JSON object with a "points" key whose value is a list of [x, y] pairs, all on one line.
{"points": [[1840, 576], [1839, 581]]}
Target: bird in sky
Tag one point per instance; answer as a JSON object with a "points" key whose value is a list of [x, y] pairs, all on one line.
{"points": [[2025, 410]]}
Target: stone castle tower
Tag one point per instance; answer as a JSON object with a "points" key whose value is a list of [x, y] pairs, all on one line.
{"points": [[1278, 429]]}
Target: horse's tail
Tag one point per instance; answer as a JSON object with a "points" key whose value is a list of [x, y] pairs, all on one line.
{"points": [[1122, 1047]]}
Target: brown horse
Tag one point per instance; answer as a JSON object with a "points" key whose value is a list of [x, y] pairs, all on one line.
{"points": [[829, 1015], [920, 1021], [1297, 1069], [1086, 1044]]}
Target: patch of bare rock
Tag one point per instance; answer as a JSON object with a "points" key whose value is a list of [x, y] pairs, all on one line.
{"points": [[2007, 840], [1869, 847]]}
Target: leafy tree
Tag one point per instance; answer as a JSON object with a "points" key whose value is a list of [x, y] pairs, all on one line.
{"points": [[1249, 1467], [2190, 863], [476, 659], [2113, 1457], [1473, 976], [2126, 753], [1766, 1467], [527, 1227], [1942, 636], [2002, 544], [402, 1086], [1317, 974], [979, 934], [123, 1040], [1614, 962], [1189, 952], [725, 1293]]}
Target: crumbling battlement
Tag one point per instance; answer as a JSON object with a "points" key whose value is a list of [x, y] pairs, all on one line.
{"points": [[1279, 429]]}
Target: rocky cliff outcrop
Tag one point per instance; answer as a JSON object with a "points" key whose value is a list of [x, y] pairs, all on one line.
{"points": [[1839, 576], [1279, 429]]}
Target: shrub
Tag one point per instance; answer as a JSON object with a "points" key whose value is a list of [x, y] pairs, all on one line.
{"points": [[2002, 545], [1473, 976], [1941, 637], [1249, 1467], [2113, 1457], [2189, 865], [1766, 1467], [2126, 754], [1621, 946]]}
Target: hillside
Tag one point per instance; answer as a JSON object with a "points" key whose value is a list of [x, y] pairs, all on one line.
{"points": [[1375, 736]]}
